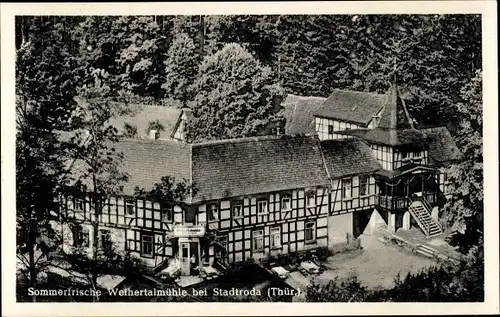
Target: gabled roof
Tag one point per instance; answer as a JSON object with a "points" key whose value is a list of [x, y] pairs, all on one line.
{"points": [[352, 106], [147, 161], [257, 165], [185, 112], [228, 168], [442, 147], [347, 157], [394, 137], [143, 114], [299, 113]]}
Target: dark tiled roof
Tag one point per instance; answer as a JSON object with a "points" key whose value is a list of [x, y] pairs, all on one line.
{"points": [[353, 132], [299, 113], [442, 147], [256, 165], [147, 161], [352, 106], [348, 157], [394, 137]]}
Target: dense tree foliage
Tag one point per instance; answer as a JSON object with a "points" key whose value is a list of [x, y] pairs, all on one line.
{"points": [[46, 85], [235, 96], [465, 208], [181, 68]]}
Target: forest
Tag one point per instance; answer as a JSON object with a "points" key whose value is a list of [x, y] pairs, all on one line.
{"points": [[232, 71]]}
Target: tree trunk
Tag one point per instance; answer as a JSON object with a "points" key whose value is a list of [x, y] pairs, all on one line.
{"points": [[95, 245], [31, 256], [95, 225]]}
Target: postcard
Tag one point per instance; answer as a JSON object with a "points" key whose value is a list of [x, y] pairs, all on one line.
{"points": [[248, 158]]}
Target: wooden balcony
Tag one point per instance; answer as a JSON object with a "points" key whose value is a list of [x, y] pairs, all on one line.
{"points": [[399, 203]]}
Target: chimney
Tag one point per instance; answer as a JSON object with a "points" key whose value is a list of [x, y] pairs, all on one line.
{"points": [[154, 135]]}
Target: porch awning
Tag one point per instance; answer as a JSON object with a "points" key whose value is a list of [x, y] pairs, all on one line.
{"points": [[406, 169]]}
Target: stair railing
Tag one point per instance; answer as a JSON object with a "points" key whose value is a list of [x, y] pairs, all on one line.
{"points": [[429, 209], [415, 215]]}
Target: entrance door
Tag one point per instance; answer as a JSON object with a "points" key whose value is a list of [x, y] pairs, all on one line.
{"points": [[185, 264]]}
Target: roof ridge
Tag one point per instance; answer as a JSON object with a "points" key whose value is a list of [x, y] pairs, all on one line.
{"points": [[252, 139], [360, 92], [157, 141], [309, 97]]}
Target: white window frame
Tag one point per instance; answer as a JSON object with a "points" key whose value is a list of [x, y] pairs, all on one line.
{"points": [[344, 180], [239, 207], [130, 207], [313, 230], [311, 194], [211, 208], [143, 253], [83, 236], [79, 204], [105, 236], [273, 235], [286, 197], [332, 128], [262, 210], [167, 214], [367, 185], [258, 234]]}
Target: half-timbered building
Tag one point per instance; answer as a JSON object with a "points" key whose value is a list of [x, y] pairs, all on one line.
{"points": [[365, 164], [255, 197]]}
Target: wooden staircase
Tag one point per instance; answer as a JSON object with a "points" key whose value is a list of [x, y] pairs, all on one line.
{"points": [[421, 212]]}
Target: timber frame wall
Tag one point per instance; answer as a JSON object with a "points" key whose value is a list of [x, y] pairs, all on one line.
{"points": [[298, 216]]}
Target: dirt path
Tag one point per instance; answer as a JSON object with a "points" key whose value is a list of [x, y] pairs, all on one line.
{"points": [[376, 266]]}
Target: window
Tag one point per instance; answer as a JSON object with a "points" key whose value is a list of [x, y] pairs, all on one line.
{"points": [[79, 204], [167, 213], [130, 206], [221, 249], [213, 212], [275, 237], [330, 129], [286, 202], [80, 236], [404, 156], [346, 188], [262, 206], [106, 242], [146, 245], [258, 240], [237, 210], [363, 186], [311, 198], [310, 231]]}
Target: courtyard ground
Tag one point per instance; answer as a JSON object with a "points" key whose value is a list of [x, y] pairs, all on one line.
{"points": [[375, 266]]}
